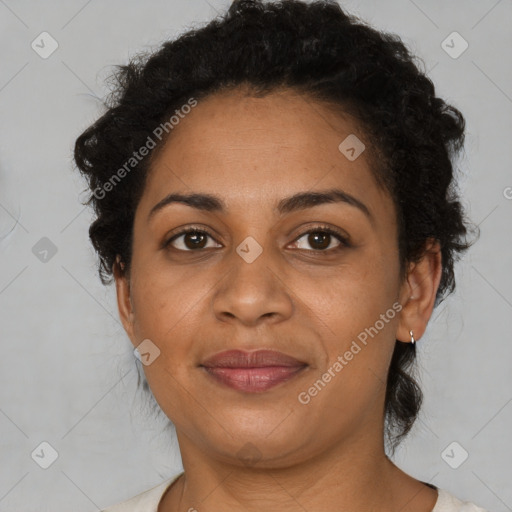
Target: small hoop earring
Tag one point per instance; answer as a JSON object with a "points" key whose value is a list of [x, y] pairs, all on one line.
{"points": [[413, 341]]}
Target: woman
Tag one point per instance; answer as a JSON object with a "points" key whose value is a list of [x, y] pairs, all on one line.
{"points": [[275, 201]]}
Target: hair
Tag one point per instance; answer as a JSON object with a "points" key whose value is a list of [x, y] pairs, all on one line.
{"points": [[326, 55]]}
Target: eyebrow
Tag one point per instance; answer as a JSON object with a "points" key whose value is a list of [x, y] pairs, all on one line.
{"points": [[299, 201]]}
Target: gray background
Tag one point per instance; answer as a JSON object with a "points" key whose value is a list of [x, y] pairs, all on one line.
{"points": [[67, 372]]}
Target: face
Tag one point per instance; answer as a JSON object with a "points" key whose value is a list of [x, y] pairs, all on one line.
{"points": [[314, 279]]}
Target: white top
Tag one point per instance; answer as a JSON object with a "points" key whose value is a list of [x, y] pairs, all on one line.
{"points": [[148, 501]]}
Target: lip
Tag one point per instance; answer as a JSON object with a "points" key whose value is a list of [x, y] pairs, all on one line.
{"points": [[252, 372]]}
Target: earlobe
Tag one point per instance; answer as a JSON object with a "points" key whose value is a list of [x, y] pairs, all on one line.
{"points": [[418, 293], [124, 303]]}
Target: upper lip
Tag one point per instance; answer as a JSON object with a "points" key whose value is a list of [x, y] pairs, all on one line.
{"points": [[254, 359]]}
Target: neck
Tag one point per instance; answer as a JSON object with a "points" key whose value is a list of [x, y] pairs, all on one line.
{"points": [[355, 473]]}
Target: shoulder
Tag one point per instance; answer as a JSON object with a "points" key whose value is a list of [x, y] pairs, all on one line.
{"points": [[446, 502], [147, 501]]}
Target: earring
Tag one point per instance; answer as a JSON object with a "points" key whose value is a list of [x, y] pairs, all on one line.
{"points": [[413, 341]]}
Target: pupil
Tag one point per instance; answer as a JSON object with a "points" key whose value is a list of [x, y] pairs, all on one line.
{"points": [[196, 238], [313, 239]]}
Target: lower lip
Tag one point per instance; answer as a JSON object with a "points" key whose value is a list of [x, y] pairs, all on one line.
{"points": [[253, 380]]}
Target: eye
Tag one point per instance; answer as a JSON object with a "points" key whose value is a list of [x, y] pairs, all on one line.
{"points": [[321, 239], [190, 240]]}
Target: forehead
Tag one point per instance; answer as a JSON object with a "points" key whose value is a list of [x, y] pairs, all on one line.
{"points": [[251, 150]]}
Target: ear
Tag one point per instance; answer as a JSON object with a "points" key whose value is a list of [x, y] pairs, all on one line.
{"points": [[124, 303], [418, 292]]}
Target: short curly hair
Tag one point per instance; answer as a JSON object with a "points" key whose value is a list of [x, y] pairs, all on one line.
{"points": [[329, 56]]}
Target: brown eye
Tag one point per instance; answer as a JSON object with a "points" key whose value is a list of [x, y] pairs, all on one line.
{"points": [[321, 240], [190, 240]]}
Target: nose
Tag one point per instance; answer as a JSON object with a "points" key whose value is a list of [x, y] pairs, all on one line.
{"points": [[253, 293]]}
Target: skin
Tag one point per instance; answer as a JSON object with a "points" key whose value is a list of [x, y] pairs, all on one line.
{"points": [[297, 297]]}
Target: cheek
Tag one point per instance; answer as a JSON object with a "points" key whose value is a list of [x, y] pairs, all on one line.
{"points": [[358, 325], [162, 298], [353, 295], [357, 311], [166, 305], [169, 305]]}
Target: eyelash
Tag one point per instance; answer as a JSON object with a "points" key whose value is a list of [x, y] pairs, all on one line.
{"points": [[317, 229]]}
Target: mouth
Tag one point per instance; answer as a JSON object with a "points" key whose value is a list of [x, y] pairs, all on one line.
{"points": [[252, 372]]}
